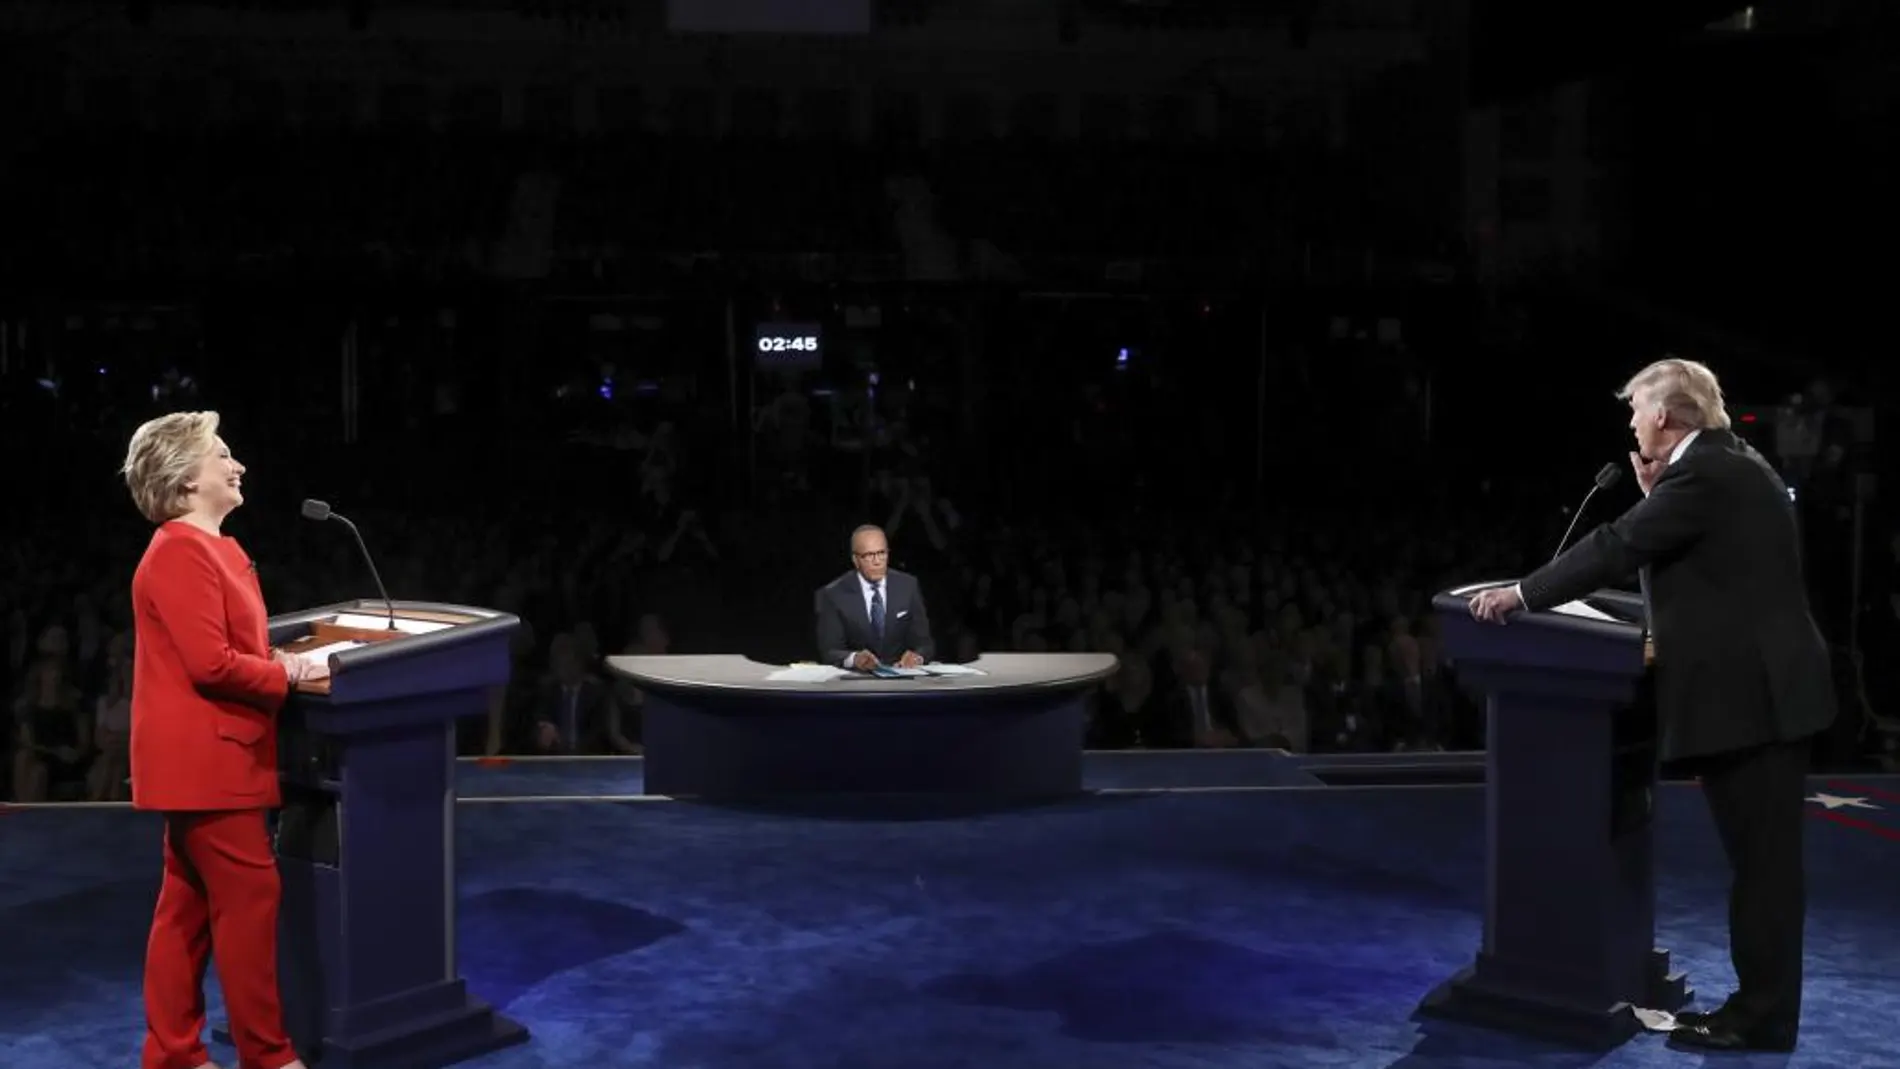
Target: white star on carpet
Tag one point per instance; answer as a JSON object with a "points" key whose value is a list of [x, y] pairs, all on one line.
{"points": [[1835, 801]]}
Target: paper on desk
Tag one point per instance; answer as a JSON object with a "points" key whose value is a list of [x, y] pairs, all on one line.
{"points": [[952, 670], [1657, 1020], [322, 653], [366, 622], [1579, 609], [805, 673]]}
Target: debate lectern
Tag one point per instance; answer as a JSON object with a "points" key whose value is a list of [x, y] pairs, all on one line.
{"points": [[366, 836], [1570, 771]]}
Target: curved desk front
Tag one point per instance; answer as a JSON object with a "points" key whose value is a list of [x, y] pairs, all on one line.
{"points": [[716, 726]]}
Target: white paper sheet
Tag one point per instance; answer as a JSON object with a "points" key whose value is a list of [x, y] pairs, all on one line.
{"points": [[323, 652], [952, 670], [806, 673], [1579, 609], [1657, 1020], [381, 623]]}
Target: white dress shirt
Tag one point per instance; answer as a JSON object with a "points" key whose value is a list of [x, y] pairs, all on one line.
{"points": [[1682, 447]]}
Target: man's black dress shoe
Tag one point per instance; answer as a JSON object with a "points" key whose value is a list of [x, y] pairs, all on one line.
{"points": [[1723, 1032], [1699, 1018]]}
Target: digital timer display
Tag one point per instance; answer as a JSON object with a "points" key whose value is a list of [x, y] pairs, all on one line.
{"points": [[799, 345]]}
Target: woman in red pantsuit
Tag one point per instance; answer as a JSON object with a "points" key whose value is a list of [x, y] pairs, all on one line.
{"points": [[205, 688]]}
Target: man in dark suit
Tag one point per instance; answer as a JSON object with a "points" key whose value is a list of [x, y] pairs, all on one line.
{"points": [[1742, 681], [1195, 713], [872, 614], [574, 710]]}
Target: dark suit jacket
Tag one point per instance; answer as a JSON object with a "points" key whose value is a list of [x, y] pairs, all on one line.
{"points": [[1739, 661], [844, 627], [584, 727]]}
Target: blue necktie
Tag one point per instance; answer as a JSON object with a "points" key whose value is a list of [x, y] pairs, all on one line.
{"points": [[877, 609]]}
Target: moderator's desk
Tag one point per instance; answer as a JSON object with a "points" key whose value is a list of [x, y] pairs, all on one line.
{"points": [[715, 726]]}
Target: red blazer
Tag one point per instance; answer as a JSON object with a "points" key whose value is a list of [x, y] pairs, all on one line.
{"points": [[205, 690]]}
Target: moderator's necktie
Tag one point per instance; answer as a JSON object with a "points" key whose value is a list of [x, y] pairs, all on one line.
{"points": [[877, 610]]}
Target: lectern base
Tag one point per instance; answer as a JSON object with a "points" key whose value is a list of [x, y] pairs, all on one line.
{"points": [[1474, 998], [428, 1043]]}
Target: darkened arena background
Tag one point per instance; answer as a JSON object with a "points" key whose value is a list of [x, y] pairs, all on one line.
{"points": [[1212, 336]]}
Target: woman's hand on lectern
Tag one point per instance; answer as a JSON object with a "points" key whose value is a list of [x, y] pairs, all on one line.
{"points": [[301, 669]]}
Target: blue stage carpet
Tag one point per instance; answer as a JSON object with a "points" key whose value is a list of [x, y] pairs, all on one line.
{"points": [[1104, 770], [1276, 928]]}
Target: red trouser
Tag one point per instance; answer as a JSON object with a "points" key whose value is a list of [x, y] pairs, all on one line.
{"points": [[221, 892]]}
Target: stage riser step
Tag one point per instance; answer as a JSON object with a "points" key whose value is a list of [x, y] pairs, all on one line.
{"points": [[1396, 775]]}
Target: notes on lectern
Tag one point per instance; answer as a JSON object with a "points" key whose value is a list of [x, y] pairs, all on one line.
{"points": [[366, 622], [1583, 612]]}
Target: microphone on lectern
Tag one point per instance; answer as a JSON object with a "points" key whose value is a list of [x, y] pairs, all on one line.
{"points": [[1606, 478], [320, 511]]}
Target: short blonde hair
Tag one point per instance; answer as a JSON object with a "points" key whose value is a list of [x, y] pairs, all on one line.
{"points": [[163, 456], [1685, 389]]}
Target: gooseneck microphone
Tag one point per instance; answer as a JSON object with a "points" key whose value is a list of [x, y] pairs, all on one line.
{"points": [[1606, 478], [320, 511]]}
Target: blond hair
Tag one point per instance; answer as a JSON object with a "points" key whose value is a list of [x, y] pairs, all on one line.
{"points": [[163, 456], [1685, 389]]}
